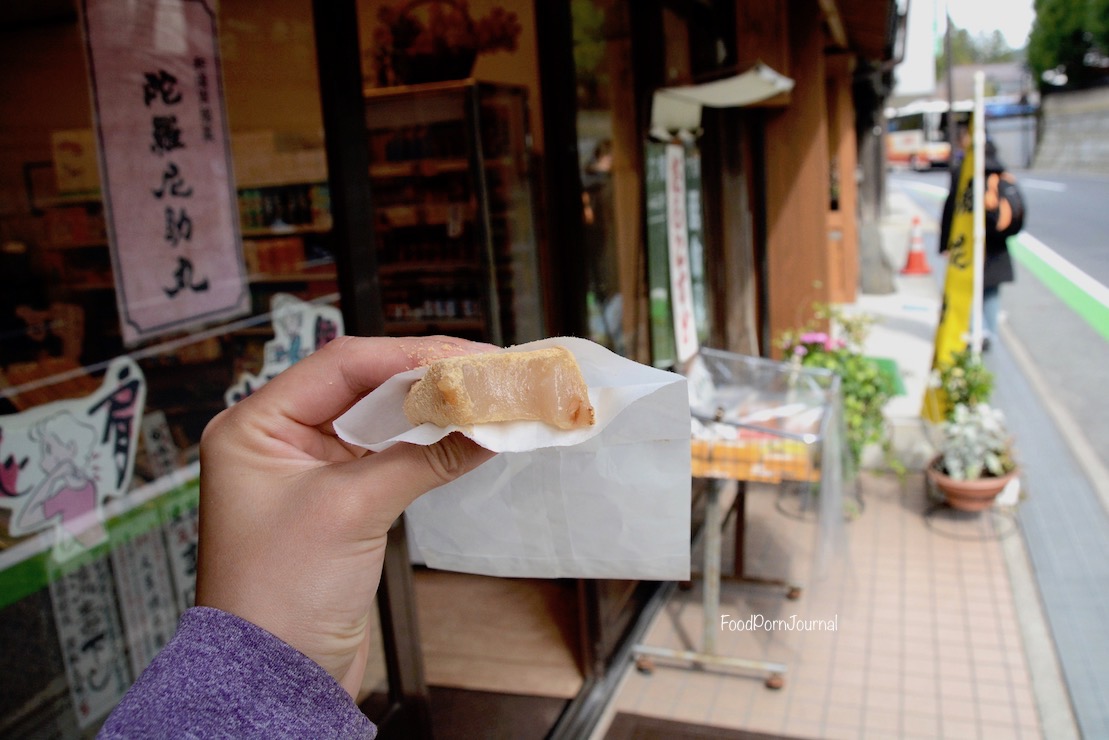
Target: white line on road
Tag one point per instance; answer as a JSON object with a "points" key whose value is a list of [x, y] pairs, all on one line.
{"points": [[1029, 182], [935, 190], [1064, 268]]}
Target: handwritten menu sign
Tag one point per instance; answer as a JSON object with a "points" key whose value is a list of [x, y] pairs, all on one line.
{"points": [[681, 284], [180, 511], [165, 163], [90, 638], [146, 597]]}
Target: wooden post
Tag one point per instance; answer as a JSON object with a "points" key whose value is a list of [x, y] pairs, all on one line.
{"points": [[797, 181]]}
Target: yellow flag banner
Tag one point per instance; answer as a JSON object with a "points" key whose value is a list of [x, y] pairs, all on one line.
{"points": [[958, 288]]}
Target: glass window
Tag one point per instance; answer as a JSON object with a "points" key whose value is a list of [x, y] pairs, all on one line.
{"points": [[602, 58], [86, 603]]}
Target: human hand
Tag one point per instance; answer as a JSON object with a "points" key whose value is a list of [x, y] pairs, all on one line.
{"points": [[990, 193], [293, 521]]}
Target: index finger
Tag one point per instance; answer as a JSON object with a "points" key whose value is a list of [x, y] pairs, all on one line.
{"points": [[323, 385]]}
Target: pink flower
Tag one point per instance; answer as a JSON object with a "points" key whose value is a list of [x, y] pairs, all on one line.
{"points": [[814, 337], [800, 350]]}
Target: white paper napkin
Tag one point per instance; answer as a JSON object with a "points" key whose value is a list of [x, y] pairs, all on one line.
{"points": [[609, 501]]}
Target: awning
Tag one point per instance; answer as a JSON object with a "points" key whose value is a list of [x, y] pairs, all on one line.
{"points": [[679, 108]]}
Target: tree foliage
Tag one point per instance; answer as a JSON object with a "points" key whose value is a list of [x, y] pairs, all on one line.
{"points": [[985, 48], [1071, 36]]}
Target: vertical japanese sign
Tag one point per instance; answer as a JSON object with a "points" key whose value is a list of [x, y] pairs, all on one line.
{"points": [[695, 217], [91, 639], [146, 596], [165, 164], [677, 232], [658, 270]]}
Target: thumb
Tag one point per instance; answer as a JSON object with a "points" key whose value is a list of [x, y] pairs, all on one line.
{"points": [[404, 472]]}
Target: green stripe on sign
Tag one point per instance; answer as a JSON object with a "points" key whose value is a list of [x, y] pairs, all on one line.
{"points": [[1093, 310], [34, 573]]}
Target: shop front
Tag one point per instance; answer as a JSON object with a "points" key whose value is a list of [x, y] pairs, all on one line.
{"points": [[193, 196]]}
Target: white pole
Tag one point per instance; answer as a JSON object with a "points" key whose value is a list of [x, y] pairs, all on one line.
{"points": [[979, 208]]}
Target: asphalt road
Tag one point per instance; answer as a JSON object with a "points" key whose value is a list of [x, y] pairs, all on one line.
{"points": [[1053, 372], [1058, 307]]}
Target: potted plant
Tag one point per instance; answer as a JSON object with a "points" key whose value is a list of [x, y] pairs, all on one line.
{"points": [[865, 387], [964, 381], [976, 461]]}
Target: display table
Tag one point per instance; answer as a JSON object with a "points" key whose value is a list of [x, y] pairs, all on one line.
{"points": [[755, 420]]}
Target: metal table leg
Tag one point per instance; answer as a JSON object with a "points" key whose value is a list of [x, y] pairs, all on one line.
{"points": [[707, 656]]}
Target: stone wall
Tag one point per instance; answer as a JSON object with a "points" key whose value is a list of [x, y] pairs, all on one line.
{"points": [[1075, 132]]}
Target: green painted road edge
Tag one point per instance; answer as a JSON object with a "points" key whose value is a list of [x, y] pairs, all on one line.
{"points": [[1091, 310]]}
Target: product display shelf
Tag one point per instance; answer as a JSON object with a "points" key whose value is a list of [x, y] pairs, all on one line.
{"points": [[454, 223], [755, 420]]}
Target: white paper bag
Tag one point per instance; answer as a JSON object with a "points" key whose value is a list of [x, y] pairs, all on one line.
{"points": [[610, 501]]}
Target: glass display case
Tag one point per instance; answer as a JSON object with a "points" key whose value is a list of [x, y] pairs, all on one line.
{"points": [[454, 216]]}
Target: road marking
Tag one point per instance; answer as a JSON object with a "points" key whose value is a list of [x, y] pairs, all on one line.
{"points": [[935, 191], [1084, 295], [1035, 184]]}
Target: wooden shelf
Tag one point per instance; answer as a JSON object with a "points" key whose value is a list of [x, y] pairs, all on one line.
{"points": [[292, 277], [419, 167], [422, 326], [60, 201], [58, 246], [255, 233], [430, 266]]}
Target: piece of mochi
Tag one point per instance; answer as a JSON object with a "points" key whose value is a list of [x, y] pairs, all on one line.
{"points": [[541, 385]]}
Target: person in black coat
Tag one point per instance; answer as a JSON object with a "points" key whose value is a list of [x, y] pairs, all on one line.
{"points": [[1004, 213]]}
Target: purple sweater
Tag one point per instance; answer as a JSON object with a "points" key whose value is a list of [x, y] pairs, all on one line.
{"points": [[223, 676]]}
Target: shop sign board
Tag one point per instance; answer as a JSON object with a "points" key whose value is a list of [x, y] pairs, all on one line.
{"points": [[658, 269], [165, 164], [695, 217], [681, 282]]}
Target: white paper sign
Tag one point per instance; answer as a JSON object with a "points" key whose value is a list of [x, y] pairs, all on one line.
{"points": [[146, 598], [90, 638], [677, 232], [299, 329], [610, 501]]}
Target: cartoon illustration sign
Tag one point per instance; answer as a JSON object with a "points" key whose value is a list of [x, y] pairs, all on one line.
{"points": [[299, 329], [60, 461]]}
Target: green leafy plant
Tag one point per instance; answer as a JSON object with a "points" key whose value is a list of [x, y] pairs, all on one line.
{"points": [[965, 381], [976, 443], [864, 387]]}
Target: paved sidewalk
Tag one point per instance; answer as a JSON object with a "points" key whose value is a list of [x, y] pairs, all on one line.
{"points": [[939, 630]]}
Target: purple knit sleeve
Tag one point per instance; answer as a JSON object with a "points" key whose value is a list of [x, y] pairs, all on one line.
{"points": [[223, 676]]}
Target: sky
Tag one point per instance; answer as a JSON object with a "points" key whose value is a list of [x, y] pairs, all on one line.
{"points": [[1012, 17], [916, 74]]}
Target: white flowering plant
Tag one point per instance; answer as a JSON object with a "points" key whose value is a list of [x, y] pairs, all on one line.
{"points": [[976, 443]]}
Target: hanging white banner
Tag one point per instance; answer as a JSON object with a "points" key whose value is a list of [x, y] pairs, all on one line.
{"points": [[677, 228], [165, 164]]}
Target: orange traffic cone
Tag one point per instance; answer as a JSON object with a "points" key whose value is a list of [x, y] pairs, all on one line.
{"points": [[917, 263]]}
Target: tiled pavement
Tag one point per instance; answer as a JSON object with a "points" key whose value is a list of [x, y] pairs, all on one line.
{"points": [[926, 644], [940, 625]]}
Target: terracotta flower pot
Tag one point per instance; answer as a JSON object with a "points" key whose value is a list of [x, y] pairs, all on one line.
{"points": [[968, 495]]}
